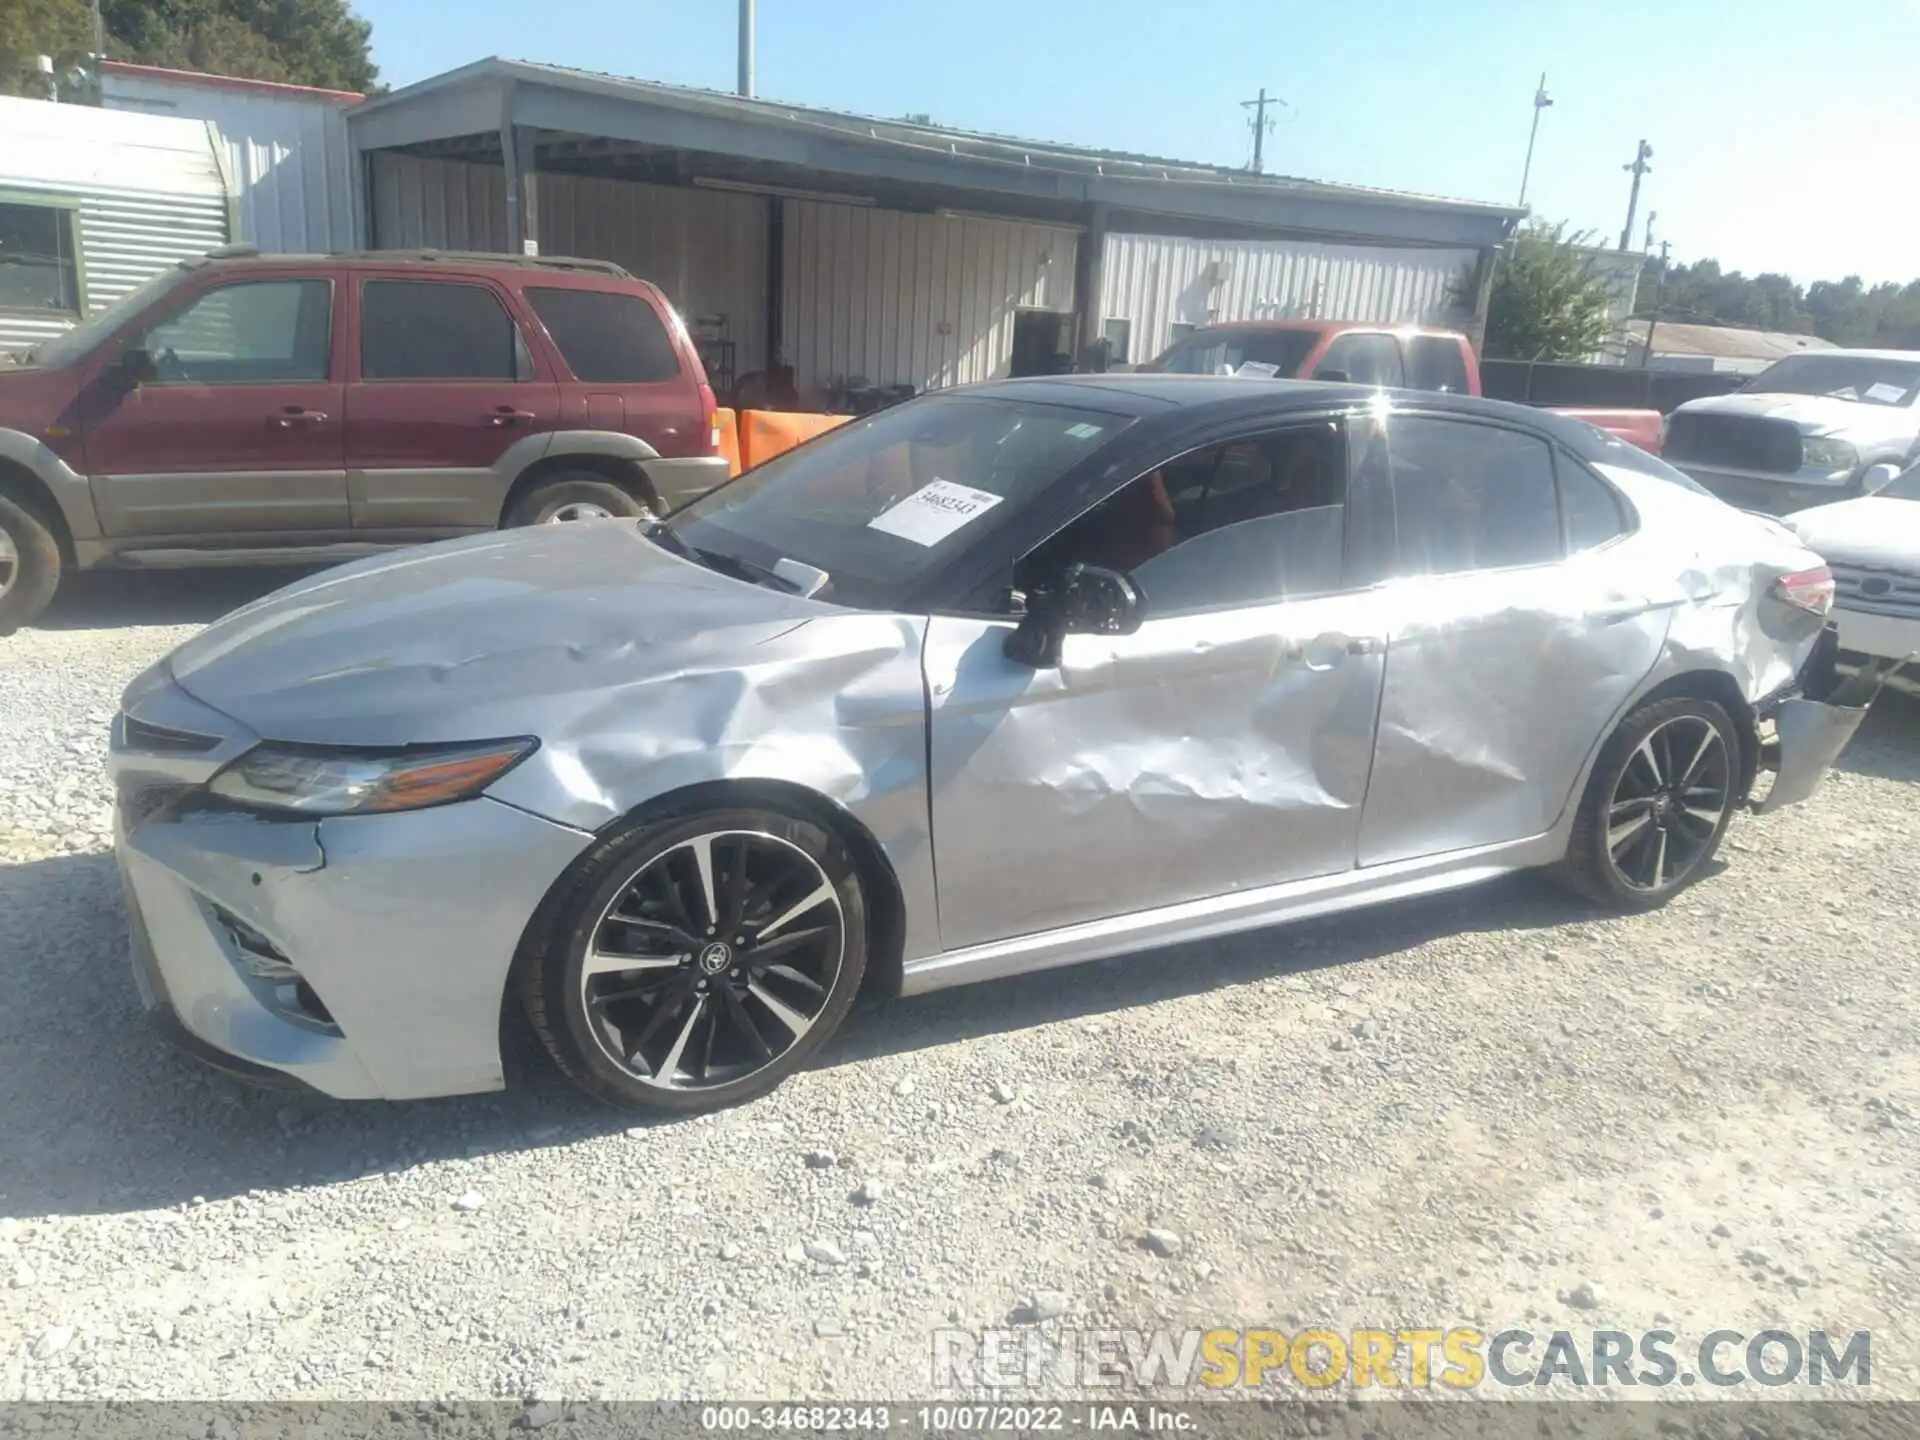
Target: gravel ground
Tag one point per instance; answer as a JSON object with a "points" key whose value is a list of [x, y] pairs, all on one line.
{"points": [[1494, 1108]]}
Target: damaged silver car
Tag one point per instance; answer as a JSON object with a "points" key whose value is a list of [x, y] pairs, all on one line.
{"points": [[1000, 679]]}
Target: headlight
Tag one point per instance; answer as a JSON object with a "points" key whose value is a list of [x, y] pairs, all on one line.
{"points": [[365, 782], [1825, 453]]}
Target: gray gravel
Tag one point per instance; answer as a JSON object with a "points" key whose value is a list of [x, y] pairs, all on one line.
{"points": [[1493, 1108]]}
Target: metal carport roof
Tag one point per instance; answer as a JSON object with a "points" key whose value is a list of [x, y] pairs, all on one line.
{"points": [[640, 129]]}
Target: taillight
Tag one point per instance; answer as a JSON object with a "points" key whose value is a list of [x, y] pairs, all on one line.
{"points": [[709, 408], [1809, 590]]}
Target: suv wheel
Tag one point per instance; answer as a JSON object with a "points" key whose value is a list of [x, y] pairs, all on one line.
{"points": [[575, 495], [29, 565]]}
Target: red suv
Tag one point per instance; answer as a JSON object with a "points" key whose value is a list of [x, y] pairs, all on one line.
{"points": [[247, 408]]}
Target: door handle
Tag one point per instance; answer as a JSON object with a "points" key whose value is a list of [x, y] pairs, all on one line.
{"points": [[293, 415], [507, 415]]}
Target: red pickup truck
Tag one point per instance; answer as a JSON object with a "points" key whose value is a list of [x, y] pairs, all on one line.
{"points": [[1404, 358]]}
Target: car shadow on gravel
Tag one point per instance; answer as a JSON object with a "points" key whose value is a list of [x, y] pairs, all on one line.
{"points": [[98, 1114], [1887, 745], [114, 599], [1514, 903]]}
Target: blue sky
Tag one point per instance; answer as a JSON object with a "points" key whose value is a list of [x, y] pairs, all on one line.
{"points": [[1786, 133]]}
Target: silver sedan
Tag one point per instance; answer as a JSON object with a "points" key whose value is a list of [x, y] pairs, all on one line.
{"points": [[1000, 679]]}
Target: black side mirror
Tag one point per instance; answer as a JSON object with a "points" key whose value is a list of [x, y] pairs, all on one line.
{"points": [[1087, 601], [136, 366]]}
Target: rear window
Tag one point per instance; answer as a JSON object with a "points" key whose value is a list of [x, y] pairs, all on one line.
{"points": [[606, 336], [1434, 362], [1265, 352]]}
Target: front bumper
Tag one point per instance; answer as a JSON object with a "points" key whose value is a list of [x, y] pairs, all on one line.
{"points": [[402, 927], [1772, 494], [682, 480]]}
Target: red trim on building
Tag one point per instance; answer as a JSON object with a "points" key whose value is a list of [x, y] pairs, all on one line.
{"points": [[222, 82]]}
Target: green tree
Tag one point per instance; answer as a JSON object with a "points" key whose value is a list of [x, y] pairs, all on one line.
{"points": [[32, 28], [298, 42], [1551, 300]]}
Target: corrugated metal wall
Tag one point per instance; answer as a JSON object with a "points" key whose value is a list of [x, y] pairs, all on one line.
{"points": [[438, 204], [289, 154], [706, 249], [151, 193], [925, 300], [1157, 281]]}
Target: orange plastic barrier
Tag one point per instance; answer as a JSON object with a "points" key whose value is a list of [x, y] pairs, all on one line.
{"points": [[726, 427], [767, 433]]}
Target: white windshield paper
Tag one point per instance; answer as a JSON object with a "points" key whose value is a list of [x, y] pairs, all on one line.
{"points": [[933, 512], [1886, 394], [1258, 369]]}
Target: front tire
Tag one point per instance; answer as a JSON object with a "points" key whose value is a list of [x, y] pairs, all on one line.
{"points": [[29, 565], [696, 961], [1656, 806]]}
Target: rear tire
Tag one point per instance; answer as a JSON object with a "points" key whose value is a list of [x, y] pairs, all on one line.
{"points": [[574, 495], [29, 565], [649, 1000], [1655, 809]]}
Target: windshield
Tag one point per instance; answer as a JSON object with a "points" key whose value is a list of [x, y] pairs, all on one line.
{"points": [[1846, 377], [80, 341], [879, 503], [1224, 352]]}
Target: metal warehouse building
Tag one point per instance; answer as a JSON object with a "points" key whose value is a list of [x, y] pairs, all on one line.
{"points": [[897, 252]]}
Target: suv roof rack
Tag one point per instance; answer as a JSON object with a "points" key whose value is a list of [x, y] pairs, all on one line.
{"points": [[489, 258]]}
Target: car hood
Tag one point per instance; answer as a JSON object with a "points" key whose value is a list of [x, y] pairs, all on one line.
{"points": [[1853, 420], [1871, 531], [476, 638]]}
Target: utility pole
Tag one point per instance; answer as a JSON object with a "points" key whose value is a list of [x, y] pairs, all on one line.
{"points": [[746, 49], [1659, 294], [1639, 167], [1541, 100], [1260, 124]]}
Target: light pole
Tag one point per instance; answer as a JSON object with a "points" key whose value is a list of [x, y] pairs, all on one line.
{"points": [[1541, 100], [1639, 167], [745, 85]]}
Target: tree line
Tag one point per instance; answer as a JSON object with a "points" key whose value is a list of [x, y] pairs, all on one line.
{"points": [[296, 42], [1847, 312], [1551, 300]]}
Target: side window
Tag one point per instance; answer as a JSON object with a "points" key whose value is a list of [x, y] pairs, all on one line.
{"points": [[1588, 506], [1363, 360], [39, 265], [605, 336], [1242, 523], [438, 330], [256, 332], [1434, 362], [1470, 497]]}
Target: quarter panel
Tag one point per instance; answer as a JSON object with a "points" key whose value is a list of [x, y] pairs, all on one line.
{"points": [[1497, 685]]}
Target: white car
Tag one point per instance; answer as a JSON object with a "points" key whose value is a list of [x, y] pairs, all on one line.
{"points": [[1872, 546]]}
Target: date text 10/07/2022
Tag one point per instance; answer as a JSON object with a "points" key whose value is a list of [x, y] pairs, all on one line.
{"points": [[943, 1419]]}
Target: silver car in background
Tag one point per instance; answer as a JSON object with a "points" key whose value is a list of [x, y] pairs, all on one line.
{"points": [[1000, 679]]}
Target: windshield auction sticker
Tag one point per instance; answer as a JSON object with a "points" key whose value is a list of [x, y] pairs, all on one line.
{"points": [[933, 512]]}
